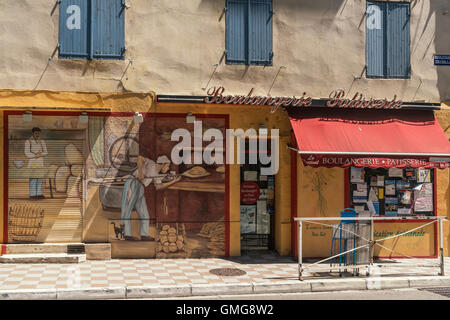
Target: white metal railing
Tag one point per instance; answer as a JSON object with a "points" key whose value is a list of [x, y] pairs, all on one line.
{"points": [[371, 241]]}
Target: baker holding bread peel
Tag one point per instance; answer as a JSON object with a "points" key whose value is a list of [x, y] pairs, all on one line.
{"points": [[133, 196]]}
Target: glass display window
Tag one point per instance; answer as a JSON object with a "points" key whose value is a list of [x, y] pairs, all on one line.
{"points": [[392, 192], [257, 203]]}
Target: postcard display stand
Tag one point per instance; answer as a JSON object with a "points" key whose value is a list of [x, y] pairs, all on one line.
{"points": [[393, 192]]}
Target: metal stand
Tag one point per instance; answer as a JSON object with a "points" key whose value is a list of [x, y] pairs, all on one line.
{"points": [[441, 248], [300, 262], [371, 243]]}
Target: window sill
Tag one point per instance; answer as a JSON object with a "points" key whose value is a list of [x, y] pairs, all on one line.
{"points": [[383, 78], [268, 64], [94, 59]]}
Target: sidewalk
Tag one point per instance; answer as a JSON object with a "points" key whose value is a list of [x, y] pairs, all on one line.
{"points": [[153, 278]]}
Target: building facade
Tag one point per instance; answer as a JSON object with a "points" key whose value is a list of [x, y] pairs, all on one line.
{"points": [[79, 71]]}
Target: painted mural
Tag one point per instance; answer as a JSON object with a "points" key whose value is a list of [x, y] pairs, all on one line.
{"points": [[111, 179], [141, 202], [45, 178], [317, 182]]}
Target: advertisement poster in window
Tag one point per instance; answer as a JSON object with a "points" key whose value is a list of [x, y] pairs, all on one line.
{"points": [[423, 196], [248, 219]]}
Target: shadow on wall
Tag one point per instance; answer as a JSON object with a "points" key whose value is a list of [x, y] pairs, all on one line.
{"points": [[326, 12], [441, 10]]}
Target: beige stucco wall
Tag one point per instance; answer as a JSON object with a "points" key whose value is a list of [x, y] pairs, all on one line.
{"points": [[173, 45], [443, 180]]}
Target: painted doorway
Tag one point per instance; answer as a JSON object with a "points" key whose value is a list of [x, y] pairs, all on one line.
{"points": [[45, 173]]}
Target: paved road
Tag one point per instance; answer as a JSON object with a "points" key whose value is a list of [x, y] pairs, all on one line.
{"points": [[397, 294]]}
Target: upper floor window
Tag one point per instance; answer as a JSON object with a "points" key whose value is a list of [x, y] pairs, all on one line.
{"points": [[387, 40], [92, 29], [249, 32]]}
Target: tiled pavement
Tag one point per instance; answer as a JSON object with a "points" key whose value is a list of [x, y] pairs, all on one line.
{"points": [[137, 273], [266, 268]]}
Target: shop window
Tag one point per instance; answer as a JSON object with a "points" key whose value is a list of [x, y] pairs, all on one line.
{"points": [[92, 29], [393, 192], [388, 40], [249, 32]]}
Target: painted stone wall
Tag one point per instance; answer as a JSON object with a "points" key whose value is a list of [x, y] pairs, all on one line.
{"points": [[178, 211], [443, 182], [57, 165], [45, 178], [172, 48], [320, 194], [97, 220]]}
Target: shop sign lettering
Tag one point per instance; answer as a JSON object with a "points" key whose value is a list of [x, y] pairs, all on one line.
{"points": [[333, 161], [215, 95], [372, 161], [384, 233], [336, 99], [319, 231]]}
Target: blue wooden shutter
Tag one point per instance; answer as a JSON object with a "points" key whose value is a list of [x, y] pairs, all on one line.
{"points": [[236, 33], [398, 42], [108, 31], [73, 33], [260, 35], [375, 39]]}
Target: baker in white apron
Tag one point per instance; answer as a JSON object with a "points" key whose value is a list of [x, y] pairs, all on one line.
{"points": [[35, 151]]}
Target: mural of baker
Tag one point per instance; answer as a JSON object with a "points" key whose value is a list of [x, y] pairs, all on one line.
{"points": [[143, 204], [133, 197], [35, 151]]}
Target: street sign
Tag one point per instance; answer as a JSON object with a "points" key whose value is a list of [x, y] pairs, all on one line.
{"points": [[441, 60]]}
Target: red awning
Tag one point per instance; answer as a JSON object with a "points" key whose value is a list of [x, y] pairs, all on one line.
{"points": [[370, 138]]}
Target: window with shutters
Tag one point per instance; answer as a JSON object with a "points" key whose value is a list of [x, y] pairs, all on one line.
{"points": [[248, 35], [388, 40], [92, 29]]}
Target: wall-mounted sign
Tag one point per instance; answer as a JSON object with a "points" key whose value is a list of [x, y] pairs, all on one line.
{"points": [[215, 95], [441, 60], [249, 192], [330, 161], [336, 99]]}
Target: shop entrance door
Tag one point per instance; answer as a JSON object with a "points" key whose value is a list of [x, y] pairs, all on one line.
{"points": [[257, 207]]}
